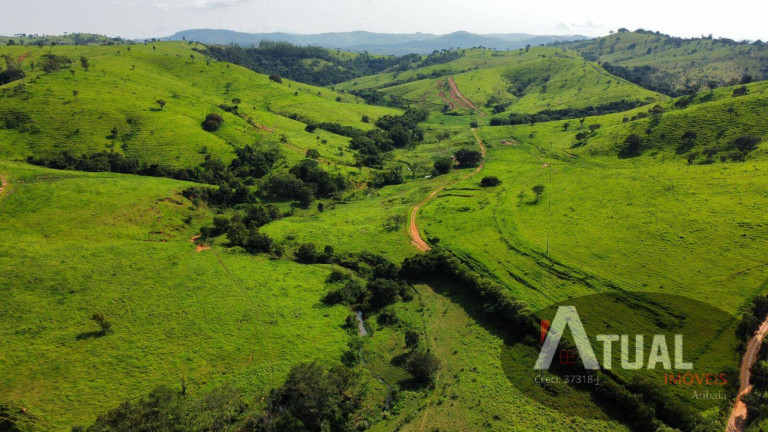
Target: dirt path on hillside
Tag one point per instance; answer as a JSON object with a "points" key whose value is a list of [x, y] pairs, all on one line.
{"points": [[738, 419], [456, 95], [3, 183], [413, 230]]}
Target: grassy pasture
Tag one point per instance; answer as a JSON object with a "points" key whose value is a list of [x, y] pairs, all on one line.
{"points": [[120, 89], [76, 243]]}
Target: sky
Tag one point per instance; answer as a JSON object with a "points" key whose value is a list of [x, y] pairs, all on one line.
{"points": [[157, 18]]}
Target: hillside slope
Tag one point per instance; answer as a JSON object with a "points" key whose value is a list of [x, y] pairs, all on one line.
{"points": [[540, 79], [78, 110], [670, 64]]}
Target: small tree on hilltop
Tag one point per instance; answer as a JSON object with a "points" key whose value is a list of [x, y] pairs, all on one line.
{"points": [[101, 320], [161, 103]]}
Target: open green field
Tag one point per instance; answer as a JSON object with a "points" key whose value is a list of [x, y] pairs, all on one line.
{"points": [[75, 244], [634, 237]]}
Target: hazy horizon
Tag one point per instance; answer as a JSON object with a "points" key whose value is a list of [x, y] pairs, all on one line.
{"points": [[158, 18]]}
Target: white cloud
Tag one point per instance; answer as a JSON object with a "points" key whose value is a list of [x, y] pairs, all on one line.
{"points": [[200, 4]]}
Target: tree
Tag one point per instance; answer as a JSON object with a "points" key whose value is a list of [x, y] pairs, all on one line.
{"points": [[490, 181], [212, 122], [366, 119], [84, 63], [582, 138], [306, 253], [237, 233], [581, 122], [468, 158], [315, 399], [443, 165], [101, 320], [632, 146], [746, 143], [566, 125], [746, 79], [741, 91], [10, 75], [537, 190], [687, 141], [412, 338], [161, 103], [423, 365], [75, 94], [312, 154], [276, 78]]}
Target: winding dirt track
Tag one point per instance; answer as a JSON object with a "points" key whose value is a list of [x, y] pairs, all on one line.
{"points": [[738, 419], [456, 94], [413, 230]]}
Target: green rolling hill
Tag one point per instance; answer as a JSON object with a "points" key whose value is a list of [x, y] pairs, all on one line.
{"points": [[671, 64], [226, 287], [540, 79], [119, 91]]}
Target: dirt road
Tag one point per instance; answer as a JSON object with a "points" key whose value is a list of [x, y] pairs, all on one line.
{"points": [[413, 229], [737, 421], [458, 97]]}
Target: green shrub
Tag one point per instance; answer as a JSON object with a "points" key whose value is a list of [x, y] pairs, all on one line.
{"points": [[490, 181]]}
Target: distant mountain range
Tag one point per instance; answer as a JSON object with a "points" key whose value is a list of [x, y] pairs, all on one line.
{"points": [[378, 43]]}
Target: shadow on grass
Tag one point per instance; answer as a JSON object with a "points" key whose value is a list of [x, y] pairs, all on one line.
{"points": [[89, 335]]}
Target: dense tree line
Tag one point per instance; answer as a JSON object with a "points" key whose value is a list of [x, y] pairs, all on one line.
{"points": [[393, 132], [503, 308], [567, 113], [313, 398], [384, 284], [325, 68], [304, 182], [646, 76]]}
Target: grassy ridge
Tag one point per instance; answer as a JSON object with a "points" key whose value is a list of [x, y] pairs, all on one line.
{"points": [[523, 82], [678, 62], [120, 89]]}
